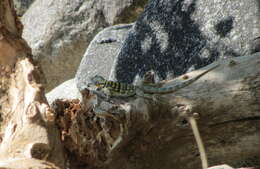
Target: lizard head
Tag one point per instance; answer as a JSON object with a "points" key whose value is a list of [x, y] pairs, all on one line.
{"points": [[96, 81]]}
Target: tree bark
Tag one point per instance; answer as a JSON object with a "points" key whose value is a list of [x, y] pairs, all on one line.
{"points": [[29, 138]]}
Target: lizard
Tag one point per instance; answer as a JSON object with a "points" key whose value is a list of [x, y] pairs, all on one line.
{"points": [[107, 89]]}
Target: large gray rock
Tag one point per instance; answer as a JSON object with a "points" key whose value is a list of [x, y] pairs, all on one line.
{"points": [[59, 31], [101, 53], [173, 36], [21, 6], [66, 90]]}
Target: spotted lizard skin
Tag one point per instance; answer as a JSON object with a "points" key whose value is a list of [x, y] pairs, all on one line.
{"points": [[116, 89]]}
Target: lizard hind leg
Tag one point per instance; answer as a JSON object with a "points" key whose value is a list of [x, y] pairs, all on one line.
{"points": [[150, 77]]}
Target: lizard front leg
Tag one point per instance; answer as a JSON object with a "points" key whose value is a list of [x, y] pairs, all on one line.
{"points": [[102, 95], [105, 92]]}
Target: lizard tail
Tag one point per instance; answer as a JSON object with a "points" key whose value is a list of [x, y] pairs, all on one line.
{"points": [[174, 88]]}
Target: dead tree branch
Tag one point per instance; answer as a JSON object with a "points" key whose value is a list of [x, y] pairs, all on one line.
{"points": [[27, 129]]}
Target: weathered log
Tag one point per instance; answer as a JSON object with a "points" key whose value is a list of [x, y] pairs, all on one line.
{"points": [[27, 129], [142, 133]]}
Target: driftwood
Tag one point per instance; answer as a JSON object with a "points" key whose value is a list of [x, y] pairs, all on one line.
{"points": [[142, 133], [28, 134], [133, 133]]}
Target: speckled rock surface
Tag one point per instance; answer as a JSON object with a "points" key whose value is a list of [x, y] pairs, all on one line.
{"points": [[100, 55], [59, 31], [173, 36], [21, 6], [66, 90]]}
